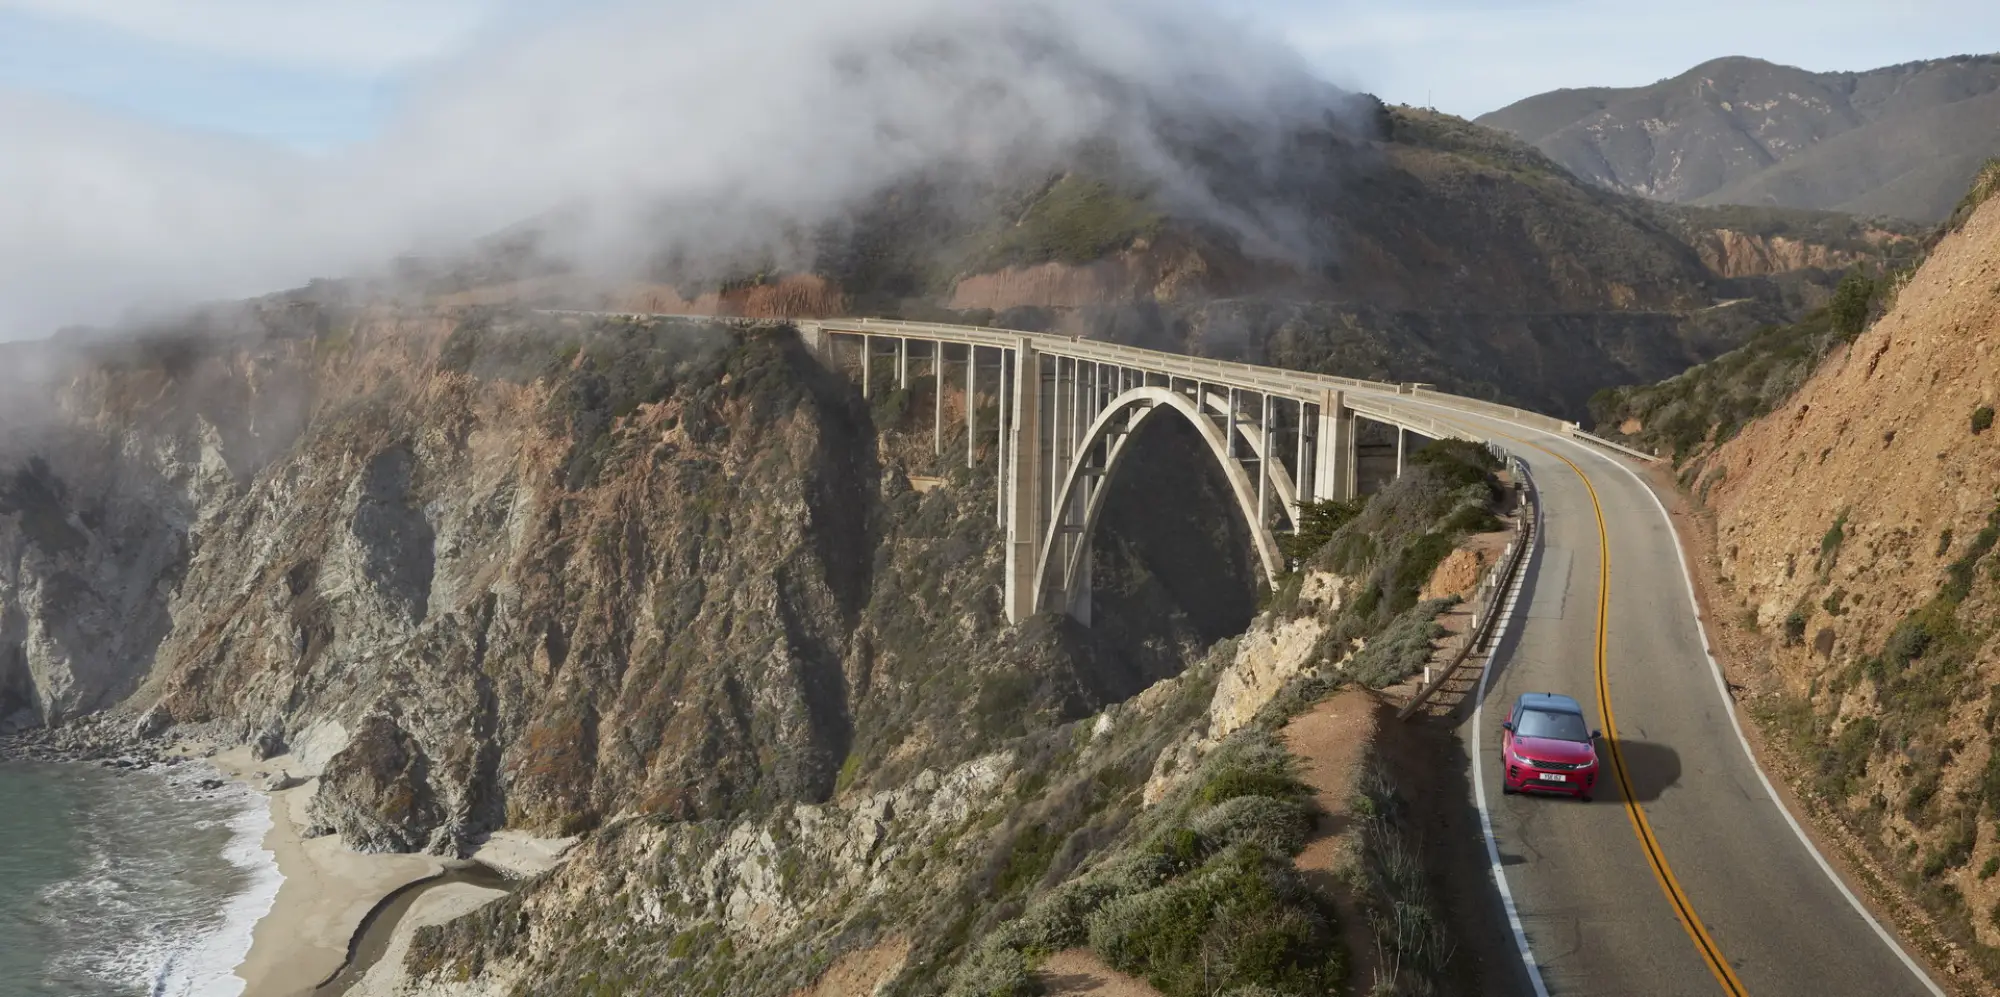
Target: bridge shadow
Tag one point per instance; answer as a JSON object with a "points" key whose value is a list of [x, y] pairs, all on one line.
{"points": [[1652, 768]]}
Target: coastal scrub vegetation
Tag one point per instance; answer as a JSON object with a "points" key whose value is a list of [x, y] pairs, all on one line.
{"points": [[1708, 404], [1921, 671]]}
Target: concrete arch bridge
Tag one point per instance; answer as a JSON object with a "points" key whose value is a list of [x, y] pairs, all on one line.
{"points": [[1069, 408]]}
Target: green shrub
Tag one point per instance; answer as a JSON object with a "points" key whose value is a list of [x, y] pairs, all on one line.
{"points": [[1851, 301], [1179, 848], [1470, 517], [1280, 826], [1982, 419], [1061, 919], [1318, 522], [1402, 649], [1249, 762], [1847, 759], [1028, 859], [1992, 866], [1795, 627], [1908, 642], [1244, 919], [1829, 545], [994, 971]]}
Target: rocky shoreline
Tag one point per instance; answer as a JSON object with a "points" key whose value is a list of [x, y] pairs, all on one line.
{"points": [[114, 741]]}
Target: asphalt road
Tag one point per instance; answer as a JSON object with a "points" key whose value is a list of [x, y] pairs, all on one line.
{"points": [[1602, 887]]}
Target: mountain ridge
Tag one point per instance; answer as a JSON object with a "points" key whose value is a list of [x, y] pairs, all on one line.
{"points": [[1740, 130]]}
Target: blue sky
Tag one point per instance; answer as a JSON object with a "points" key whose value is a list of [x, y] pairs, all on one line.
{"points": [[319, 76]]}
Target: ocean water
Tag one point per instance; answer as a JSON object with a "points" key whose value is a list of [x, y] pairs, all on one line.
{"points": [[140, 884]]}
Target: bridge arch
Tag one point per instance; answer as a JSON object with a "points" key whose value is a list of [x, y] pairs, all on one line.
{"points": [[1060, 567]]}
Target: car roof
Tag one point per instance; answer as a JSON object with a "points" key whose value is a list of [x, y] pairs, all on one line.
{"points": [[1550, 701]]}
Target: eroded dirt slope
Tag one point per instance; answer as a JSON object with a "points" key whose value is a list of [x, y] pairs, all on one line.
{"points": [[1857, 524]]}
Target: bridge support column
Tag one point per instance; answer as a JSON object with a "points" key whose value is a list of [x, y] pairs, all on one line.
{"points": [[867, 363], [1335, 480], [1266, 450], [937, 399], [971, 405], [1023, 482], [902, 363], [1402, 449], [1302, 475]]}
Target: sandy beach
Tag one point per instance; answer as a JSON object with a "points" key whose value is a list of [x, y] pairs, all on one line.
{"points": [[329, 889]]}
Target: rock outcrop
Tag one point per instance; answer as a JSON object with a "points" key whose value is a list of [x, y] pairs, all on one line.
{"points": [[485, 568]]}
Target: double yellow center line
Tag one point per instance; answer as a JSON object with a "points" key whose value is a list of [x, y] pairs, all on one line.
{"points": [[1703, 942]]}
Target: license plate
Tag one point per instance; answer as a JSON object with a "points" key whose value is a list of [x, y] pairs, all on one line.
{"points": [[1552, 777]]}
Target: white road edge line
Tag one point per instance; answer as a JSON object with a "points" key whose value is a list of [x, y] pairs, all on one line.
{"points": [[1478, 768], [1729, 707]]}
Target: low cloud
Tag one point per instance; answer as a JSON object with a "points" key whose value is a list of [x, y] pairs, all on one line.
{"points": [[676, 125]]}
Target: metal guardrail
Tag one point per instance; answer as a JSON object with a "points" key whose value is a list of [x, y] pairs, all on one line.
{"points": [[1614, 445], [1491, 595]]}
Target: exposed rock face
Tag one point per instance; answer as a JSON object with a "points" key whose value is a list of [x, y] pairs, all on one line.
{"points": [[1742, 254], [758, 883], [377, 794], [492, 569]]}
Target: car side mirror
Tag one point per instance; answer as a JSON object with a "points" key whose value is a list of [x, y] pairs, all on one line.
{"points": [[1597, 735], [1507, 725]]}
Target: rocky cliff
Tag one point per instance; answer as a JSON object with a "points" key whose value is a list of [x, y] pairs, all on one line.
{"points": [[667, 584], [499, 568]]}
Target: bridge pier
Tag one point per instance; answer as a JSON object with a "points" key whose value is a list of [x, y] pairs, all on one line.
{"points": [[971, 405], [1023, 485], [1336, 439], [1067, 408]]}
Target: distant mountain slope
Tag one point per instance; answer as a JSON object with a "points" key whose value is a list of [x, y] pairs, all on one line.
{"points": [[1901, 141], [1424, 247]]}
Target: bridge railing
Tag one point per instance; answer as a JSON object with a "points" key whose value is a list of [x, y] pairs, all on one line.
{"points": [[1378, 400], [1280, 381], [1489, 596], [1614, 445]]}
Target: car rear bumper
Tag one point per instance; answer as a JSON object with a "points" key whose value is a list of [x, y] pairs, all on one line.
{"points": [[1534, 779]]}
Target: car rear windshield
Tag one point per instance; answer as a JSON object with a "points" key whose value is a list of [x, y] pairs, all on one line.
{"points": [[1551, 724]]}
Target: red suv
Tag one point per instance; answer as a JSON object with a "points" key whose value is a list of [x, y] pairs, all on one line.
{"points": [[1548, 748]]}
